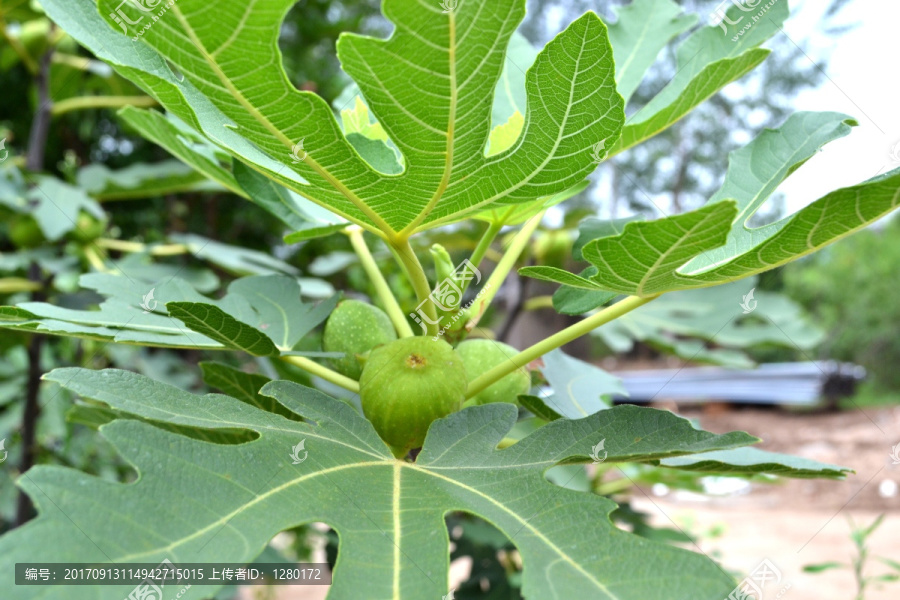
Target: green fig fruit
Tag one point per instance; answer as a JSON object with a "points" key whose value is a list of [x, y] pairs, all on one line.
{"points": [[354, 328], [25, 232], [479, 357], [409, 383], [87, 228]]}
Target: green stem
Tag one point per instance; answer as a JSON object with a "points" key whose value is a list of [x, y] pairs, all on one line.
{"points": [[485, 242], [613, 487], [16, 44], [398, 318], [538, 302], [555, 341], [404, 252], [87, 102], [324, 372], [510, 256], [129, 246]]}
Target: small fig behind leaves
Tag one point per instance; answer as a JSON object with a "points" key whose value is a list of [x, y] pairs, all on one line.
{"points": [[479, 357], [408, 384], [354, 328]]}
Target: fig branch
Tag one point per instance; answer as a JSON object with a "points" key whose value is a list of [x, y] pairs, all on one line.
{"points": [[416, 274], [555, 341], [485, 242], [391, 306], [506, 264]]}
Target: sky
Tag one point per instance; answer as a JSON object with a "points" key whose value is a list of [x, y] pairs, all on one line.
{"points": [[862, 81]]}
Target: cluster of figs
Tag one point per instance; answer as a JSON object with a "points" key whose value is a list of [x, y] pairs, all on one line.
{"points": [[407, 383]]}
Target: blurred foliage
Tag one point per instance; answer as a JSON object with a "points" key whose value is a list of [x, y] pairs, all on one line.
{"points": [[849, 289]]}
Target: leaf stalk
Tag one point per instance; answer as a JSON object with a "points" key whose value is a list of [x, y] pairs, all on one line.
{"points": [[555, 341], [391, 306]]}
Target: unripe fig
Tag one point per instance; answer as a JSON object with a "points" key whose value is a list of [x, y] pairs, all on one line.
{"points": [[87, 228], [408, 384], [25, 232], [479, 357], [354, 328]]}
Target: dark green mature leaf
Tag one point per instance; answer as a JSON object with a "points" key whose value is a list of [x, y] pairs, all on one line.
{"points": [[748, 461], [204, 502], [142, 181], [54, 204], [682, 322], [539, 408], [642, 29], [235, 92], [706, 62], [215, 323], [243, 386], [133, 312]]}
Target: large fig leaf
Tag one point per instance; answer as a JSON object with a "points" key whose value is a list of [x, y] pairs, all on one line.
{"points": [[196, 501], [429, 86], [642, 29], [714, 244], [707, 61]]}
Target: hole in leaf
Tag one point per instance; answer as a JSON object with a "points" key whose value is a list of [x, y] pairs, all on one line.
{"points": [[572, 477], [483, 559]]}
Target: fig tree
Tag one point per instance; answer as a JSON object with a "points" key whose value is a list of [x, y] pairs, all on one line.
{"points": [[408, 384], [354, 328], [479, 357]]}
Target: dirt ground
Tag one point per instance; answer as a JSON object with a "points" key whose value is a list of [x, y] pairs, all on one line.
{"points": [[801, 522], [796, 523]]}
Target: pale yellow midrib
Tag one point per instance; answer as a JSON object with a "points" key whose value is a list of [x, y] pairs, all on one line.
{"points": [[337, 184], [397, 529], [397, 466], [451, 135]]}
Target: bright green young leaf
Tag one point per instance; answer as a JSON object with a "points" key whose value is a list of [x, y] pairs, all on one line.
{"points": [[182, 142], [706, 62], [261, 315], [231, 87], [593, 229], [308, 220], [644, 259], [713, 245], [756, 170], [201, 502], [642, 29], [509, 95]]}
